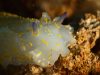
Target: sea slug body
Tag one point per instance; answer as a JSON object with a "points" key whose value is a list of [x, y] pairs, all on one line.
{"points": [[26, 41]]}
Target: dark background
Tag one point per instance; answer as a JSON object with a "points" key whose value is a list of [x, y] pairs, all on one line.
{"points": [[75, 9]]}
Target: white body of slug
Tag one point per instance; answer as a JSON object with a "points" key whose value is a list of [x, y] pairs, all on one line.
{"points": [[27, 41]]}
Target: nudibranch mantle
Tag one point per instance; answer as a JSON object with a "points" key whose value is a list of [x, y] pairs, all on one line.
{"points": [[27, 41]]}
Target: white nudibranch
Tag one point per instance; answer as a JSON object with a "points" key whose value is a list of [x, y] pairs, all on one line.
{"points": [[28, 41]]}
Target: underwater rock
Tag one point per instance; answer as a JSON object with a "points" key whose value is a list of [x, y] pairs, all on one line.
{"points": [[28, 40]]}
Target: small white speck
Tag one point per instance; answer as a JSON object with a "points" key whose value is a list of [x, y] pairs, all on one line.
{"points": [[39, 61]]}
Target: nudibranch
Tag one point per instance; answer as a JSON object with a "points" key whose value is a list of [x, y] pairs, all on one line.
{"points": [[28, 40]]}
